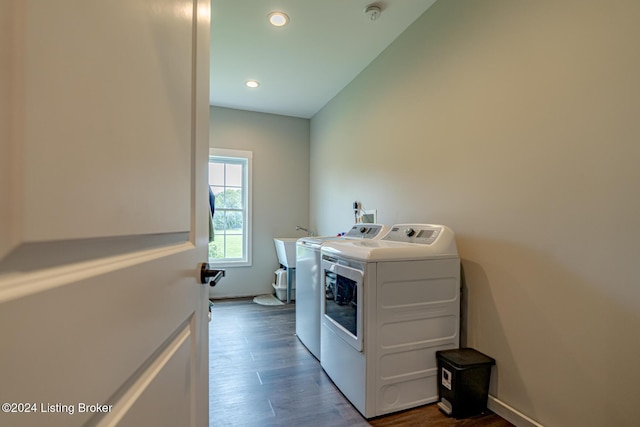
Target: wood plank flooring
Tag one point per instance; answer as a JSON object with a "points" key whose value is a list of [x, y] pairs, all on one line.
{"points": [[261, 375]]}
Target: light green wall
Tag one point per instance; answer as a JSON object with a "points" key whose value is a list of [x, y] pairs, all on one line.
{"points": [[280, 147], [517, 124]]}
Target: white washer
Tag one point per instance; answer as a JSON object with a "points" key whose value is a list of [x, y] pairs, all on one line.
{"points": [[390, 305], [308, 280]]}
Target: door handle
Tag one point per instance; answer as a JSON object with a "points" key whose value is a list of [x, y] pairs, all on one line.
{"points": [[210, 276]]}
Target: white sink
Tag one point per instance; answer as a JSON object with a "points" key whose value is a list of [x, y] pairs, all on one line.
{"points": [[286, 250]]}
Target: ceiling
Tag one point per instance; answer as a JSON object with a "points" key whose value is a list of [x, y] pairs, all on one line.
{"points": [[304, 64]]}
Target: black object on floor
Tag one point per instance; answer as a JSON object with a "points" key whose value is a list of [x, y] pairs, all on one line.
{"points": [[463, 381]]}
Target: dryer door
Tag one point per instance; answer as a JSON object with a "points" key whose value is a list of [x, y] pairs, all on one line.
{"points": [[343, 301]]}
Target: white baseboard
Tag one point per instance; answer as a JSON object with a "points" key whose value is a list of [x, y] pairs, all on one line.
{"points": [[510, 414]]}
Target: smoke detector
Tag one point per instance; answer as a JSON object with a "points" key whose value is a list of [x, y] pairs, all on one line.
{"points": [[373, 11]]}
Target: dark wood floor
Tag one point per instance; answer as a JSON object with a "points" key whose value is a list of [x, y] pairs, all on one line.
{"points": [[261, 375]]}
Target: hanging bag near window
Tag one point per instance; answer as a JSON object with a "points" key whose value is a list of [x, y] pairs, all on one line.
{"points": [[212, 210]]}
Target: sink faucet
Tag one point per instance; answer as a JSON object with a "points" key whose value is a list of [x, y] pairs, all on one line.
{"points": [[309, 232]]}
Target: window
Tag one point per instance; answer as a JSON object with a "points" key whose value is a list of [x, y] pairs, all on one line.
{"points": [[230, 181]]}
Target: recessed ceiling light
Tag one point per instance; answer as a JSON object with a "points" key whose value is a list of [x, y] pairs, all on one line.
{"points": [[278, 19], [252, 83]]}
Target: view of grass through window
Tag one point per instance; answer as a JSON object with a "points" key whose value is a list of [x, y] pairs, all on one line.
{"points": [[226, 180]]}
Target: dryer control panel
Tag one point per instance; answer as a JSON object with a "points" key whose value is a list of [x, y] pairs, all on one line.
{"points": [[423, 234]]}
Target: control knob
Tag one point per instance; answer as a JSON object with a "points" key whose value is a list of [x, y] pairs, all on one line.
{"points": [[409, 232]]}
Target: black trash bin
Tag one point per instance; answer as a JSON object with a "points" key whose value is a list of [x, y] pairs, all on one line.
{"points": [[463, 381]]}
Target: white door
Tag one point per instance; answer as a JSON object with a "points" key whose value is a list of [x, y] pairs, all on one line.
{"points": [[103, 210]]}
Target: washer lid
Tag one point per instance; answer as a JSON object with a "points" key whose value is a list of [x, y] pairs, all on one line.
{"points": [[423, 241], [316, 241], [357, 232]]}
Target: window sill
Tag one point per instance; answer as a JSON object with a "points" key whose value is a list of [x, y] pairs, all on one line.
{"points": [[229, 264]]}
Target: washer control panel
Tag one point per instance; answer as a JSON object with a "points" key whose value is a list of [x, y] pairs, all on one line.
{"points": [[364, 231], [413, 233]]}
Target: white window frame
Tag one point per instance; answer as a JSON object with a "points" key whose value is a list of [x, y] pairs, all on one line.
{"points": [[247, 156]]}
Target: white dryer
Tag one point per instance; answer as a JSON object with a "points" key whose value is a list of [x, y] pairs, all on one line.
{"points": [[308, 280], [390, 305]]}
